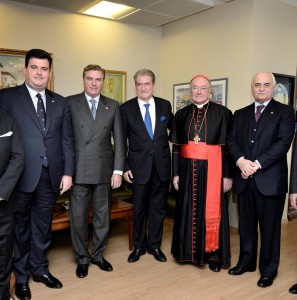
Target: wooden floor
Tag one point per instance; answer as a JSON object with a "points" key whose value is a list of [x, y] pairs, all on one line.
{"points": [[149, 279]]}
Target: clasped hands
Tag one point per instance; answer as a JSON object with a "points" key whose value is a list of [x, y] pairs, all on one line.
{"points": [[247, 167]]}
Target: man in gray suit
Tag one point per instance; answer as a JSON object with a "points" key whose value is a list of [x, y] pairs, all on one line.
{"points": [[99, 167], [11, 167]]}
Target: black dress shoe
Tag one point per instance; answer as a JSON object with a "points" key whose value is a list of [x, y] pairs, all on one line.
{"points": [[135, 255], [239, 271], [22, 291], [82, 270], [103, 264], [265, 281], [49, 280], [158, 254], [293, 289], [215, 266]]}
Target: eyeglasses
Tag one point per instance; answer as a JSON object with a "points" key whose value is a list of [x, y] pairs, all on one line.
{"points": [[203, 89]]}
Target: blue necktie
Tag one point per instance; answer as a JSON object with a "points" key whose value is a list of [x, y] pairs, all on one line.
{"points": [[148, 121], [93, 108], [42, 120]]}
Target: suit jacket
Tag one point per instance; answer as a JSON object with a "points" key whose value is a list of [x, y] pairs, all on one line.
{"points": [[11, 163], [58, 135], [293, 176], [269, 146], [140, 149], [95, 157]]}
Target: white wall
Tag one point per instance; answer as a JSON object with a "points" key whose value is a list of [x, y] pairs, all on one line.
{"points": [[233, 40], [77, 41]]}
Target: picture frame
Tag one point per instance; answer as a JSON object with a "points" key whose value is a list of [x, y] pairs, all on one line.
{"points": [[284, 89], [114, 85], [181, 96], [182, 93], [12, 63], [219, 90]]}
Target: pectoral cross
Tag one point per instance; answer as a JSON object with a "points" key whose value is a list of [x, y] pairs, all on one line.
{"points": [[196, 139]]}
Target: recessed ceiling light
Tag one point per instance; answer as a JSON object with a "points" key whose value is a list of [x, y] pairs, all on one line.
{"points": [[108, 10]]}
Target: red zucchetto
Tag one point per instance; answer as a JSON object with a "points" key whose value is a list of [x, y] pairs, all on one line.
{"points": [[199, 75]]}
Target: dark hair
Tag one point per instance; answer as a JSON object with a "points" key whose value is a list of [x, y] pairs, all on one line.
{"points": [[145, 72], [93, 68], [40, 54]]}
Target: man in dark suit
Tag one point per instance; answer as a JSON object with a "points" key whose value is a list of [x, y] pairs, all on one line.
{"points": [[96, 119], [260, 137], [44, 122], [293, 192], [11, 167], [147, 165]]}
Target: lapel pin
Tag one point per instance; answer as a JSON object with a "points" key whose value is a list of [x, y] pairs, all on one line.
{"points": [[106, 107], [271, 112]]}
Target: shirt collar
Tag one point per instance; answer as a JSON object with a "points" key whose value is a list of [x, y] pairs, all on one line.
{"points": [[89, 98], [33, 93], [201, 105], [265, 103], [142, 103]]}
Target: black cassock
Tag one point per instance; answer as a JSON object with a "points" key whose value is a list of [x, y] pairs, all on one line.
{"points": [[188, 242]]}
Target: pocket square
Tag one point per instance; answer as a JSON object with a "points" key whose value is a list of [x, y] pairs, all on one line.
{"points": [[9, 133], [163, 118]]}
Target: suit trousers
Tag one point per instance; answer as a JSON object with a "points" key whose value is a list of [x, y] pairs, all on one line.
{"points": [[256, 208], [33, 229], [150, 203], [6, 248], [81, 194]]}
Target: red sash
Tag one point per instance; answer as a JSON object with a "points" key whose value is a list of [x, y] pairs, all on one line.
{"points": [[213, 154]]}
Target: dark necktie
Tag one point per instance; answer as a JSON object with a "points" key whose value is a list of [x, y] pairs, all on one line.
{"points": [[258, 112], [148, 121], [42, 119], [93, 108]]}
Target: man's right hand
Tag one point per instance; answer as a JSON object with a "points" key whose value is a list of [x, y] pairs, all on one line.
{"points": [[128, 176]]}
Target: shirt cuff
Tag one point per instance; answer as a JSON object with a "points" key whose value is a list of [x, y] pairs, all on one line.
{"points": [[117, 172], [240, 158], [257, 162]]}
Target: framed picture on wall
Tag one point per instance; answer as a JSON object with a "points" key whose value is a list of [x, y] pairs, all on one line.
{"points": [[284, 89], [219, 89], [12, 63], [115, 85], [182, 93], [181, 96]]}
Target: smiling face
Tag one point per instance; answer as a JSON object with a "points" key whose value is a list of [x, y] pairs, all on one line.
{"points": [[144, 87], [200, 90], [93, 82], [263, 87], [37, 74]]}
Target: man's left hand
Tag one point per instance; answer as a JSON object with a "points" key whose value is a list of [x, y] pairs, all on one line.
{"points": [[227, 184], [66, 184], [116, 181]]}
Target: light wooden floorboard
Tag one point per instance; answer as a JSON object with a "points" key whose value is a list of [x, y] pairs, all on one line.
{"points": [[149, 279]]}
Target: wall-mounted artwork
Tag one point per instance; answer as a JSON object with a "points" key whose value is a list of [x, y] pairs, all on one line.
{"points": [[12, 63], [115, 85], [182, 93]]}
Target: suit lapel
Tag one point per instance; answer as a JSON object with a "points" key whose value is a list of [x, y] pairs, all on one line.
{"points": [[25, 101], [266, 117], [50, 110], [84, 110], [101, 114]]}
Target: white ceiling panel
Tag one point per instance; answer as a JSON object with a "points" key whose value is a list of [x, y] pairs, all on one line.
{"points": [[152, 13]]}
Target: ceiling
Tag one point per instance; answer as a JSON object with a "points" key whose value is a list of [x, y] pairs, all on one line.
{"points": [[152, 13]]}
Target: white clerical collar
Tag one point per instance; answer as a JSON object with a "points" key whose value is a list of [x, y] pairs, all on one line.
{"points": [[201, 105]]}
